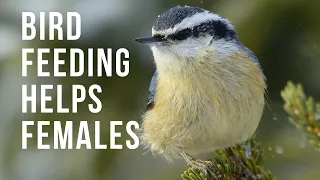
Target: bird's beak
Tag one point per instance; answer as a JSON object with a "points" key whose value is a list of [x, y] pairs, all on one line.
{"points": [[148, 40]]}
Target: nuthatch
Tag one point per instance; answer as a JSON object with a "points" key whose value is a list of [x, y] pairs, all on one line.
{"points": [[208, 90]]}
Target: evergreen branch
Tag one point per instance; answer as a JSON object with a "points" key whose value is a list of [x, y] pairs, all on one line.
{"points": [[303, 112], [226, 168]]}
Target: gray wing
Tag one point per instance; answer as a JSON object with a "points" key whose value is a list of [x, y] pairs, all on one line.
{"points": [[152, 91]]}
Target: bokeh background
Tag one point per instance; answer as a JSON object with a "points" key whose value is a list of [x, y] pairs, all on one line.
{"points": [[284, 34]]}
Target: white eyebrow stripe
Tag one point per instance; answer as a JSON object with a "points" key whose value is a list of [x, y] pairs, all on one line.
{"points": [[191, 22]]}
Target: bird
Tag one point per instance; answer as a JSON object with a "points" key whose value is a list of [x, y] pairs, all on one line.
{"points": [[208, 89]]}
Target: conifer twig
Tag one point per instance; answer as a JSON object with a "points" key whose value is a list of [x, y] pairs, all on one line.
{"points": [[226, 168], [303, 112]]}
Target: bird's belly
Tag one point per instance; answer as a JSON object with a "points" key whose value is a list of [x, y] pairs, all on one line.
{"points": [[222, 125], [199, 121]]}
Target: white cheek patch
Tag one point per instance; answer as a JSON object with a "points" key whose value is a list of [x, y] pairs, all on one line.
{"points": [[178, 51], [191, 47], [223, 48], [173, 57]]}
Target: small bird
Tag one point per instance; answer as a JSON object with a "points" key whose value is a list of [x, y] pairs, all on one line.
{"points": [[208, 89]]}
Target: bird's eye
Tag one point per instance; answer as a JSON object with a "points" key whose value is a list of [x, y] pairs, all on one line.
{"points": [[181, 35], [159, 37]]}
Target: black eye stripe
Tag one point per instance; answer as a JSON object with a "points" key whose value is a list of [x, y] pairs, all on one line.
{"points": [[181, 35], [158, 36], [218, 29]]}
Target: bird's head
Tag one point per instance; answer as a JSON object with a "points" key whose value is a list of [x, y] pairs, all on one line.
{"points": [[187, 31]]}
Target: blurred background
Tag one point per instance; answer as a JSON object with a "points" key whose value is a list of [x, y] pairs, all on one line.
{"points": [[284, 34]]}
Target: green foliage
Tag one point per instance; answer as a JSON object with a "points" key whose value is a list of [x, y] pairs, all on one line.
{"points": [[226, 168], [303, 112]]}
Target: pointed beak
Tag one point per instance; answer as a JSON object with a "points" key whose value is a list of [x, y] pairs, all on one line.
{"points": [[148, 40]]}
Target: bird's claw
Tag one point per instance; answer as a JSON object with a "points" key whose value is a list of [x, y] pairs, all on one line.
{"points": [[202, 166]]}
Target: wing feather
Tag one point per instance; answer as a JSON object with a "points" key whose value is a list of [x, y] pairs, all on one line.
{"points": [[152, 91]]}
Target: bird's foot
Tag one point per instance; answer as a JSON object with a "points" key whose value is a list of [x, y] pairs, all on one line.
{"points": [[203, 166], [238, 160]]}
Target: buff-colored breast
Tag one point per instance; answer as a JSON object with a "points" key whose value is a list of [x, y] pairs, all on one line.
{"points": [[205, 105]]}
